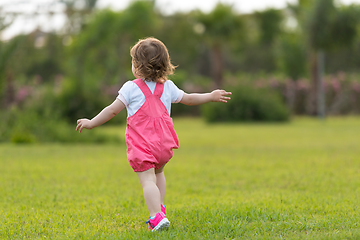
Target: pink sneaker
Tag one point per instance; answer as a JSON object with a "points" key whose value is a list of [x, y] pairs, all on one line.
{"points": [[159, 223], [163, 209]]}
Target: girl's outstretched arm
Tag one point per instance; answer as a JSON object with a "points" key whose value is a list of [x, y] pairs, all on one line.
{"points": [[105, 115], [201, 98]]}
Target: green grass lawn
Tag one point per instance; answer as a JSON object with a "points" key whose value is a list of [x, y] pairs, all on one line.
{"points": [[299, 180]]}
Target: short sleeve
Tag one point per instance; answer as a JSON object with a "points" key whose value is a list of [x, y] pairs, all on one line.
{"points": [[176, 93], [124, 93]]}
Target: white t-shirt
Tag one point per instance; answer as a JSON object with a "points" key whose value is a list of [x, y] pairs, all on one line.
{"points": [[133, 98]]}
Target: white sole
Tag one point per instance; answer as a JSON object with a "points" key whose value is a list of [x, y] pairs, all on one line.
{"points": [[163, 224]]}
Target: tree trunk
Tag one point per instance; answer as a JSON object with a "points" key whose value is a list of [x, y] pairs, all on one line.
{"points": [[217, 66], [316, 104], [312, 101], [9, 97], [320, 92]]}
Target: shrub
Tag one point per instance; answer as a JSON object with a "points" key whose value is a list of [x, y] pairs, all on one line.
{"points": [[248, 104], [41, 119], [28, 126], [78, 101], [193, 83]]}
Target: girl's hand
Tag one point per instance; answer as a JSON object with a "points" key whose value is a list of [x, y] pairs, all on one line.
{"points": [[83, 123], [220, 96]]}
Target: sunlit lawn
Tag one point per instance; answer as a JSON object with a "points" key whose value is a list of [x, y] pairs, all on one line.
{"points": [[299, 180]]}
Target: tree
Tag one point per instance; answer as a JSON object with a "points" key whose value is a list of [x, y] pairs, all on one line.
{"points": [[100, 55], [270, 28], [269, 24], [6, 51], [6, 72], [181, 35], [326, 28], [221, 25], [76, 12], [329, 28]]}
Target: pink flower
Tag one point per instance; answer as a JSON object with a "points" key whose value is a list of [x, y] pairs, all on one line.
{"points": [[259, 84], [335, 85], [341, 76], [355, 86], [22, 94], [289, 83], [273, 82], [302, 84]]}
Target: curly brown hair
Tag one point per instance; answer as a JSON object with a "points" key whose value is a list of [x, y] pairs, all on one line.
{"points": [[151, 60]]}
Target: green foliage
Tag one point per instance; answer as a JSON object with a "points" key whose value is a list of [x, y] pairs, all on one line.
{"points": [[257, 58], [101, 50], [6, 53], [28, 126], [262, 55], [292, 57], [270, 24], [248, 104], [179, 78], [320, 36], [76, 102], [139, 21], [344, 27], [221, 23], [331, 27], [41, 119], [42, 55], [92, 51], [95, 51], [45, 61], [184, 51]]}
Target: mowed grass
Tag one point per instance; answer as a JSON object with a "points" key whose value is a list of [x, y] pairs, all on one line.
{"points": [[299, 180]]}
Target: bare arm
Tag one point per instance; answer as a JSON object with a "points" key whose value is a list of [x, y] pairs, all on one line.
{"points": [[201, 98], [105, 115]]}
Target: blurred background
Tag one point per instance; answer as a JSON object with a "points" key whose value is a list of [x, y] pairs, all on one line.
{"points": [[61, 60]]}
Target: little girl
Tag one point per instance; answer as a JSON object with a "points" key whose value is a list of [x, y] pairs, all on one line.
{"points": [[150, 135]]}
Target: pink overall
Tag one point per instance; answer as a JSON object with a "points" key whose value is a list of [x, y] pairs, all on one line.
{"points": [[150, 134]]}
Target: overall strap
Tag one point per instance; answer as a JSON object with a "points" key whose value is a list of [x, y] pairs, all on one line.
{"points": [[143, 87], [159, 89]]}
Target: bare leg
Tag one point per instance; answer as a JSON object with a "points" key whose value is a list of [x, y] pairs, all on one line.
{"points": [[151, 191], [161, 183]]}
